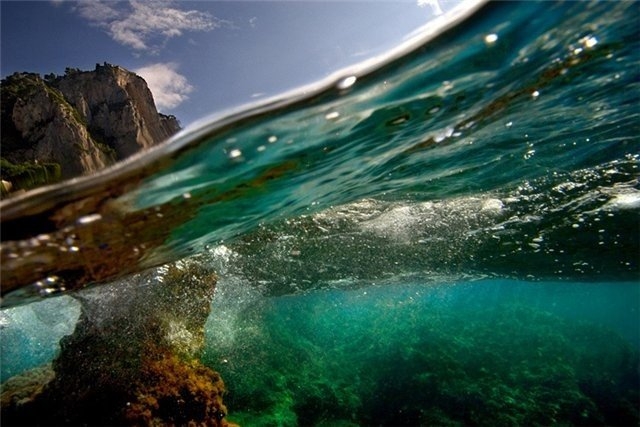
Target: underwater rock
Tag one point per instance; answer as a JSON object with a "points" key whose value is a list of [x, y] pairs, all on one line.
{"points": [[23, 388], [132, 359], [177, 392]]}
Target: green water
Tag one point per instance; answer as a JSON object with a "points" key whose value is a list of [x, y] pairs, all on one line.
{"points": [[487, 352]]}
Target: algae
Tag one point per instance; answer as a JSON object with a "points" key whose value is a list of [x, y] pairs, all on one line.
{"points": [[318, 360]]}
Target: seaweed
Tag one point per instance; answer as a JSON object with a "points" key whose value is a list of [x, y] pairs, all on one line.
{"points": [[421, 364], [172, 391]]}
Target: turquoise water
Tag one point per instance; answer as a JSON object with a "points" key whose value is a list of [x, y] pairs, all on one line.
{"points": [[491, 352], [451, 238]]}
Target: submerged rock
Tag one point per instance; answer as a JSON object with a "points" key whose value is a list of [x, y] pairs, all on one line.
{"points": [[172, 391], [24, 388], [133, 357]]}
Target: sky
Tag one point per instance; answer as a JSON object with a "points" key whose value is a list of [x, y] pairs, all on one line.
{"points": [[202, 57]]}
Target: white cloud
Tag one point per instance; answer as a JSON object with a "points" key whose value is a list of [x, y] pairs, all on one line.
{"points": [[145, 25], [169, 88], [97, 11], [435, 5]]}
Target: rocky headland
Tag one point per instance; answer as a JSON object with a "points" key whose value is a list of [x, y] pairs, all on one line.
{"points": [[60, 127]]}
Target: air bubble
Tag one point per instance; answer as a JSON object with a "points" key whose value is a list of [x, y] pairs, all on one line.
{"points": [[346, 83], [589, 42], [88, 219], [491, 38], [332, 115]]}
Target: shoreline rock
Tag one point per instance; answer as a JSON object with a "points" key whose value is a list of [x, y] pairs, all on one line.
{"points": [[60, 127]]}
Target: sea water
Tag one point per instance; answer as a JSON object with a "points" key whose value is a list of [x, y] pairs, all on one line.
{"points": [[449, 239]]}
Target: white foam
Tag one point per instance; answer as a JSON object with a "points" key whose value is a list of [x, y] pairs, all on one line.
{"points": [[492, 205], [629, 199]]}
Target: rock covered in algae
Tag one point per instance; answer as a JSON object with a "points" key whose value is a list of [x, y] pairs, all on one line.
{"points": [[23, 388], [177, 392], [132, 359]]}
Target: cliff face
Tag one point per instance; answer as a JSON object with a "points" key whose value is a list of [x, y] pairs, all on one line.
{"points": [[118, 108], [64, 126]]}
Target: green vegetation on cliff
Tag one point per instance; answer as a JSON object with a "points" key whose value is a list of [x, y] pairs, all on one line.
{"points": [[24, 176], [18, 85]]}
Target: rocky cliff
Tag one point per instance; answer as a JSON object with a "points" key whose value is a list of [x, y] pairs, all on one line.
{"points": [[59, 127]]}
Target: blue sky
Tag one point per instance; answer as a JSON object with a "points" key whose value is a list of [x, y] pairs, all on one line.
{"points": [[199, 57]]}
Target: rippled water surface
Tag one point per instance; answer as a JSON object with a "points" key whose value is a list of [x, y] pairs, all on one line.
{"points": [[451, 238]]}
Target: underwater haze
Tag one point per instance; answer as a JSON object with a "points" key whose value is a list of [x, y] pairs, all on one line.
{"points": [[448, 238]]}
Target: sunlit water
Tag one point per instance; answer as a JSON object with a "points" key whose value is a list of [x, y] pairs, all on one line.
{"points": [[451, 239]]}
